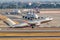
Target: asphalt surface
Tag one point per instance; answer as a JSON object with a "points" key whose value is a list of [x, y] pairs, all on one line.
{"points": [[31, 31]]}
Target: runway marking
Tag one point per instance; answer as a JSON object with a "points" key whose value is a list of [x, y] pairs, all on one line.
{"points": [[29, 36]]}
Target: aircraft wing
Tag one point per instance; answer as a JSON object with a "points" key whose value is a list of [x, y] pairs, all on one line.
{"points": [[21, 25], [46, 20]]}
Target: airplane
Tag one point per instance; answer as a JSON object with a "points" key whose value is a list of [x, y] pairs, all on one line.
{"points": [[30, 19], [33, 20]]}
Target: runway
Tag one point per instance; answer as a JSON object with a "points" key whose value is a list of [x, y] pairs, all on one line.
{"points": [[26, 31], [30, 30]]}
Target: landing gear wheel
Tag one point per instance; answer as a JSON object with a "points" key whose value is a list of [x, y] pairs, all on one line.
{"points": [[32, 26], [10, 27]]}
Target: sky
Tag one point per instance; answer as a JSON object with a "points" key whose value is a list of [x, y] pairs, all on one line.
{"points": [[26, 0]]}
